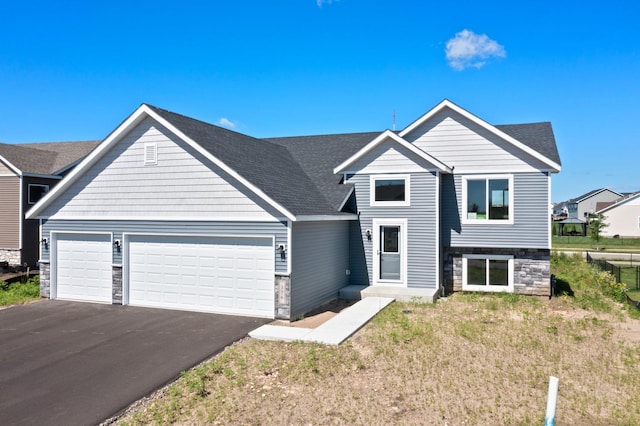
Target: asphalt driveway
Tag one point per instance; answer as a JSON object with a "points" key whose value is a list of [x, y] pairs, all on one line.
{"points": [[77, 363]]}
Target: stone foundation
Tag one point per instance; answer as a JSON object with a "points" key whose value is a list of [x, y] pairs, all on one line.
{"points": [[45, 279], [116, 284], [531, 274], [283, 297], [11, 256]]}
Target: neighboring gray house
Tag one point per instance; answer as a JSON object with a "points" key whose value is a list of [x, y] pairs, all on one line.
{"points": [[173, 212], [27, 172], [581, 207], [622, 216]]}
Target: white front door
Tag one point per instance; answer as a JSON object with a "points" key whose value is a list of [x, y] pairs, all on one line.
{"points": [[389, 251]]}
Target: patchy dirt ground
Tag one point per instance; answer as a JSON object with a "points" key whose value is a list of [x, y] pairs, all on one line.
{"points": [[467, 360]]}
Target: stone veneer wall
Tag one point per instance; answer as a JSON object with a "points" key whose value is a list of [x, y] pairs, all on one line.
{"points": [[283, 297], [45, 279], [13, 256], [116, 284], [531, 275]]}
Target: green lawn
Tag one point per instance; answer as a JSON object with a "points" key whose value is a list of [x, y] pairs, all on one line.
{"points": [[16, 293], [587, 243]]}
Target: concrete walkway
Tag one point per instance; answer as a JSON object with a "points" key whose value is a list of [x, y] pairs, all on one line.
{"points": [[333, 332]]}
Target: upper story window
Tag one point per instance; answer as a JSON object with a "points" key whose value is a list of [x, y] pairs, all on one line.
{"points": [[37, 191], [487, 199], [390, 190]]}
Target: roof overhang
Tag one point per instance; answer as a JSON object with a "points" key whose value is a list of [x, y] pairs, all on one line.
{"points": [[553, 166], [13, 168], [121, 131], [389, 135]]}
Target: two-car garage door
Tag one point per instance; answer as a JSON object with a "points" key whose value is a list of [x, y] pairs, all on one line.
{"points": [[216, 274], [231, 275]]}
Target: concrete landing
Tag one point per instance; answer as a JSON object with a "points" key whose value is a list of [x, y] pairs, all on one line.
{"points": [[404, 294], [333, 332]]}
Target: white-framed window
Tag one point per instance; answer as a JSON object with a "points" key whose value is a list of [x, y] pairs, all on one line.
{"points": [[487, 199], [484, 272], [638, 222], [390, 190], [36, 191], [150, 154]]}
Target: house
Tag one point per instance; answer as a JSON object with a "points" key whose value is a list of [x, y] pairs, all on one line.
{"points": [[622, 216], [173, 212], [27, 172], [581, 207]]}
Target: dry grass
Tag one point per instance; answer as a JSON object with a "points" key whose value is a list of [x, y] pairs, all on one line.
{"points": [[472, 359]]}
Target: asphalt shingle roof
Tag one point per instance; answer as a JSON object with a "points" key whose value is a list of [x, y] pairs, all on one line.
{"points": [[297, 172], [538, 136], [268, 166], [47, 158]]}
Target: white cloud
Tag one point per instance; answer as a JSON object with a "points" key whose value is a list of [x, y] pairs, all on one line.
{"points": [[468, 49], [227, 123], [320, 3]]}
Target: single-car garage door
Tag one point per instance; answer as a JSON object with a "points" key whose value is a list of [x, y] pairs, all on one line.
{"points": [[83, 267], [233, 275]]}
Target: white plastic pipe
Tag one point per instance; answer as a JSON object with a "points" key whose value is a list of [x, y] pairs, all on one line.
{"points": [[552, 397]]}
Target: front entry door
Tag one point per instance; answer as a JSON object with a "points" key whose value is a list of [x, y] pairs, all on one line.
{"points": [[389, 251]]}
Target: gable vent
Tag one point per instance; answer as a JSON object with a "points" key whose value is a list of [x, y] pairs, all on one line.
{"points": [[150, 153]]}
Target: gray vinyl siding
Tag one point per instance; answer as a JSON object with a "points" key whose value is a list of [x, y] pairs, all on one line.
{"points": [[530, 228], [357, 256], [10, 212], [183, 184], [320, 253], [457, 141], [118, 228], [421, 215]]}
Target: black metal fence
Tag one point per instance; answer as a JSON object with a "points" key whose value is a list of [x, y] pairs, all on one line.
{"points": [[630, 275]]}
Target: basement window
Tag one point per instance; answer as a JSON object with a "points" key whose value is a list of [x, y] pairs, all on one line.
{"points": [[487, 272]]}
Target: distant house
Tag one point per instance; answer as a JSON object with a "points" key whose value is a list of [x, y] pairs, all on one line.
{"points": [[172, 212], [623, 216], [581, 207], [27, 172]]}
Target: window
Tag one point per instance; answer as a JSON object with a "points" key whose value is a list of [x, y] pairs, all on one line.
{"points": [[390, 190], [36, 192], [487, 199], [487, 272]]}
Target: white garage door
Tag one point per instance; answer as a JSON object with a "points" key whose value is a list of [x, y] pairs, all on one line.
{"points": [[210, 274], [83, 267]]}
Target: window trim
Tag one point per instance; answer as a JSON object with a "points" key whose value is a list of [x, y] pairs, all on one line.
{"points": [[463, 211], [488, 287], [42, 185], [407, 190]]}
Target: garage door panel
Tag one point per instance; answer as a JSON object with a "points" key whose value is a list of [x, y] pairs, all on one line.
{"points": [[203, 273], [83, 267]]}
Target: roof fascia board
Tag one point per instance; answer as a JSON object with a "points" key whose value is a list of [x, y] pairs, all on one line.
{"points": [[448, 104], [11, 166], [388, 134], [596, 193], [318, 218], [218, 162], [35, 175]]}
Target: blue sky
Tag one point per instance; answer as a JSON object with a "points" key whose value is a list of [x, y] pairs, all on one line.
{"points": [[72, 70]]}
